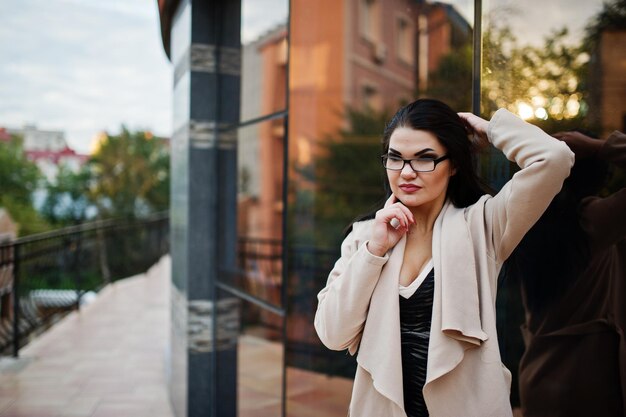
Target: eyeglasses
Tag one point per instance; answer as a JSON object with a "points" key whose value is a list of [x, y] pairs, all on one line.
{"points": [[394, 163]]}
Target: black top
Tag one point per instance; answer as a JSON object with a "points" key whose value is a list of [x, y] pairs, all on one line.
{"points": [[415, 317]]}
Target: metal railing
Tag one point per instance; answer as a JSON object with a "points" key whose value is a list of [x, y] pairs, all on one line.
{"points": [[45, 276]]}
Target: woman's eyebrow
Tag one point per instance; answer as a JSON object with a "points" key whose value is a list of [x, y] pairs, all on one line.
{"points": [[423, 151]]}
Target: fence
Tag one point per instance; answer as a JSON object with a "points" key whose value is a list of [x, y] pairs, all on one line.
{"points": [[43, 277]]}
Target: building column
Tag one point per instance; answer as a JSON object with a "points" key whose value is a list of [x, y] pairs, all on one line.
{"points": [[205, 52]]}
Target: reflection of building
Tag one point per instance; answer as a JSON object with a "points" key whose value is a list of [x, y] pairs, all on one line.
{"points": [[611, 80], [441, 30], [360, 54], [260, 146], [357, 53]]}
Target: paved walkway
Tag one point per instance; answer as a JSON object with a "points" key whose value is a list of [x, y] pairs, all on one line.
{"points": [[108, 360]]}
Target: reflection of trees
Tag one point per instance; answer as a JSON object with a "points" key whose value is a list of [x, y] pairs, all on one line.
{"points": [[452, 81], [611, 17], [544, 83], [347, 176]]}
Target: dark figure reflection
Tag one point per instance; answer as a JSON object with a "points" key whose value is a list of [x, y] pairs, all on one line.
{"points": [[572, 267]]}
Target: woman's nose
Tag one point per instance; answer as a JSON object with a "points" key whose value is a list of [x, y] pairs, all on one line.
{"points": [[407, 171]]}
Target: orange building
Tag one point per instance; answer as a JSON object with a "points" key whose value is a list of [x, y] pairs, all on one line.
{"points": [[351, 54]]}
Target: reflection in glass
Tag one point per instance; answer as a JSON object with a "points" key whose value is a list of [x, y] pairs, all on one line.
{"points": [[264, 57], [260, 209], [352, 65], [556, 66], [571, 269], [312, 393], [253, 335]]}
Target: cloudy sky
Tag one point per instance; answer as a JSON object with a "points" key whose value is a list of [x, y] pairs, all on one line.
{"points": [[83, 66]]}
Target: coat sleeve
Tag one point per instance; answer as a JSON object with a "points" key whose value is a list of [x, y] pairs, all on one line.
{"points": [[344, 302], [603, 218], [545, 162]]}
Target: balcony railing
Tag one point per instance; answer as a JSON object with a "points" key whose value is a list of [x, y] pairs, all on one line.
{"points": [[44, 276]]}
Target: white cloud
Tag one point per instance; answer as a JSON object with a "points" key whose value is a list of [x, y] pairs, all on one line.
{"points": [[83, 67], [258, 16]]}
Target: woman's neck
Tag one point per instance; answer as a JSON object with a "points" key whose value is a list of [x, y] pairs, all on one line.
{"points": [[425, 216]]}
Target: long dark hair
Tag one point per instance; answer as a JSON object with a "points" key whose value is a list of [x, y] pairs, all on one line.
{"points": [[436, 117]]}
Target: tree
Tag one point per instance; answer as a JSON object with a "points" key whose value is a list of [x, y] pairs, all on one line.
{"points": [[129, 175], [545, 84], [19, 178], [66, 201], [452, 79], [347, 180]]}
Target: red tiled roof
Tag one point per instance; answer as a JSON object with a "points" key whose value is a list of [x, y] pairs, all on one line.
{"points": [[4, 135]]}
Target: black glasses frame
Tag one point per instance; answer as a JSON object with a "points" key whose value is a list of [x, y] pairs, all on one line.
{"points": [[404, 162]]}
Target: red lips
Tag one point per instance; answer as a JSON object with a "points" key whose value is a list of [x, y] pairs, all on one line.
{"points": [[409, 188]]}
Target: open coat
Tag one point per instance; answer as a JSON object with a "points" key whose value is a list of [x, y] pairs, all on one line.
{"points": [[358, 309]]}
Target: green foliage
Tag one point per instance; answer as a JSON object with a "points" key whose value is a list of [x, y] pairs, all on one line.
{"points": [[348, 177], [129, 175], [452, 81], [19, 178], [547, 77], [66, 200]]}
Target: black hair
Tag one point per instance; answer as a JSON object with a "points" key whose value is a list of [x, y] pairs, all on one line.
{"points": [[436, 117]]}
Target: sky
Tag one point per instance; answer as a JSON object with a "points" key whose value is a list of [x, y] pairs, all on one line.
{"points": [[84, 66]]}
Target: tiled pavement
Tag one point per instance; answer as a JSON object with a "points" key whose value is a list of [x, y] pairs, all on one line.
{"points": [[108, 360]]}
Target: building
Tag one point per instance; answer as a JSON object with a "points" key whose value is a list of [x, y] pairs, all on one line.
{"points": [[49, 150], [250, 122]]}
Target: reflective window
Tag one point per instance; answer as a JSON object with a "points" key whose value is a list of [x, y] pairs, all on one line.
{"points": [[264, 57], [249, 341], [352, 64], [260, 181], [557, 66]]}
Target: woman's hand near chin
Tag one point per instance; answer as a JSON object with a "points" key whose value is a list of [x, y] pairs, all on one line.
{"points": [[390, 224]]}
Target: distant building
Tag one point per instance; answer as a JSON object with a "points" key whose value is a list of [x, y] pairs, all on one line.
{"points": [[49, 150], [4, 135]]}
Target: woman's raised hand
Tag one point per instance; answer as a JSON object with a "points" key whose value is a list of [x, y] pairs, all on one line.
{"points": [[478, 129], [390, 224]]}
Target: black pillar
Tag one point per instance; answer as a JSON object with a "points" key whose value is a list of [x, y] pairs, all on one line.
{"points": [[205, 51]]}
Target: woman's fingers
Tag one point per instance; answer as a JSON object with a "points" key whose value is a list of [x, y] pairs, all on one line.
{"points": [[397, 216], [391, 200], [477, 129]]}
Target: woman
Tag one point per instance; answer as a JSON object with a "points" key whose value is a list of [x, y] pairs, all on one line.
{"points": [[414, 290]]}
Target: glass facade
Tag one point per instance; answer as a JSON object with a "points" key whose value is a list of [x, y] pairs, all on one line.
{"points": [[319, 80]]}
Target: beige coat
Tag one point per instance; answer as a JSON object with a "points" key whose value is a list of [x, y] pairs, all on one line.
{"points": [[359, 309]]}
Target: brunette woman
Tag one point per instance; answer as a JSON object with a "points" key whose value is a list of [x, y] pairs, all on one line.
{"points": [[414, 290]]}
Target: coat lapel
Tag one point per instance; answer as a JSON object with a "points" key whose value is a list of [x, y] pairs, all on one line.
{"points": [[380, 351], [456, 324]]}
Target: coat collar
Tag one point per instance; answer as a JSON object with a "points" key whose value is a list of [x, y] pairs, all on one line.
{"points": [[455, 323]]}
